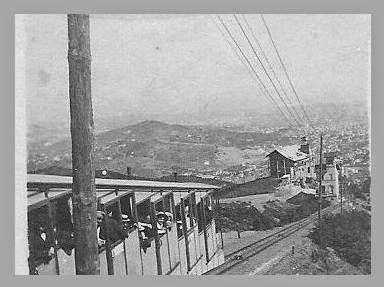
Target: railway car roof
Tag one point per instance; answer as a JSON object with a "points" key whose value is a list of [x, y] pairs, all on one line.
{"points": [[141, 196], [113, 196], [37, 180], [36, 199]]}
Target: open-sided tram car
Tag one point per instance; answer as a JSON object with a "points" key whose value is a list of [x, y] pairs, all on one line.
{"points": [[158, 245], [199, 245], [186, 243]]}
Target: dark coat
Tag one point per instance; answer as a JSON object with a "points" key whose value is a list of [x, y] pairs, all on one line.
{"points": [[115, 230], [38, 249]]}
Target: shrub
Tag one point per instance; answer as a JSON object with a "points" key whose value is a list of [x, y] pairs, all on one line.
{"points": [[349, 234]]}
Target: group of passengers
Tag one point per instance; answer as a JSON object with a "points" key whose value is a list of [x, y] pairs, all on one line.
{"points": [[146, 232], [41, 237], [42, 241]]}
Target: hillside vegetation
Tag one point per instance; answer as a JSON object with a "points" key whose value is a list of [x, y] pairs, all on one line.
{"points": [[349, 234], [258, 186], [244, 216]]}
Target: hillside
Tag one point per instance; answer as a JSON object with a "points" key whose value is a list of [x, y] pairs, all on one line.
{"points": [[241, 214], [170, 178], [155, 149], [258, 186], [57, 170]]}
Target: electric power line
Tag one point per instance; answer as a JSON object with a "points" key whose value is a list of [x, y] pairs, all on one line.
{"points": [[265, 71], [270, 67], [243, 62], [253, 69], [285, 70]]}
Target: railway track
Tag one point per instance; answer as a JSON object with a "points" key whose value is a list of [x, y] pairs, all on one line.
{"points": [[242, 254]]}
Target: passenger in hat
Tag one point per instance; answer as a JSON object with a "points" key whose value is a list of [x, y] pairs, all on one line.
{"points": [[161, 217], [145, 227], [115, 230], [169, 220], [126, 223], [145, 232]]}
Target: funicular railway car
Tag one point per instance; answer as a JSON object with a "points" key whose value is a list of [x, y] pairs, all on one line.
{"points": [[141, 230], [198, 239], [158, 243], [209, 236], [51, 234], [187, 229]]}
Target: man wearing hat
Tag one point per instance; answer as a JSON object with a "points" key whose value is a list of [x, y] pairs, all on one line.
{"points": [[115, 231], [99, 216], [169, 220], [127, 224], [161, 218]]}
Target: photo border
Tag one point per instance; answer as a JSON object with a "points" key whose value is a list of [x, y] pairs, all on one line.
{"points": [[8, 120]]}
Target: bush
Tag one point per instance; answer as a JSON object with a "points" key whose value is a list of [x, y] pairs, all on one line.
{"points": [[349, 234], [243, 216]]}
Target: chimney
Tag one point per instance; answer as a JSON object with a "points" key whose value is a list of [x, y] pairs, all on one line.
{"points": [[304, 147], [128, 172]]}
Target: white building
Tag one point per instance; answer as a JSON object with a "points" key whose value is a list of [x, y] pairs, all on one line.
{"points": [[330, 180]]}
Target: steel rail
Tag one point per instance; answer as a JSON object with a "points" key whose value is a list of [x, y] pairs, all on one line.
{"points": [[250, 250]]}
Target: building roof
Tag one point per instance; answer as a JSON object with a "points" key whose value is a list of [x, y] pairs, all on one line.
{"points": [[36, 180], [291, 152]]}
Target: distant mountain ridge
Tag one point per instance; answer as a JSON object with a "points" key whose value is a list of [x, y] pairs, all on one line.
{"points": [[151, 148], [154, 148]]}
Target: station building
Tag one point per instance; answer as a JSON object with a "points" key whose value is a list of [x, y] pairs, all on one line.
{"points": [[295, 161]]}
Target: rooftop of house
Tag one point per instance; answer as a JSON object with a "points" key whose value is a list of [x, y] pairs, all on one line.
{"points": [[291, 152]]}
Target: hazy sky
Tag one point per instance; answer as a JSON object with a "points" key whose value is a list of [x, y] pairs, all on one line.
{"points": [[181, 63]]}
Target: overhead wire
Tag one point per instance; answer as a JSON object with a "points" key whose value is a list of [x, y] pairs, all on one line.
{"points": [[259, 81], [247, 67], [253, 70], [285, 70], [271, 68], [265, 71]]}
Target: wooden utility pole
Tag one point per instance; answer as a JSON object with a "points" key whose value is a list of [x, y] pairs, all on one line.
{"points": [[320, 186], [341, 194], [82, 134]]}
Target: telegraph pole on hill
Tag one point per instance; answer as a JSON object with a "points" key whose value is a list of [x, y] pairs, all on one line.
{"points": [[82, 134]]}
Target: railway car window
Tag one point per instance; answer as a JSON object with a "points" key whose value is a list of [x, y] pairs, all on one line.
{"points": [[126, 203], [146, 233], [40, 241], [111, 220], [200, 222], [63, 222], [189, 212], [193, 210], [208, 210], [188, 217], [179, 223], [168, 211]]}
